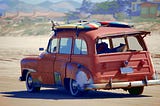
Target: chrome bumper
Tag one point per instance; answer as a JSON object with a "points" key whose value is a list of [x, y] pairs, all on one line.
{"points": [[122, 84]]}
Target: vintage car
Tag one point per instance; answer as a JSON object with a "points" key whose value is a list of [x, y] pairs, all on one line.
{"points": [[91, 56]]}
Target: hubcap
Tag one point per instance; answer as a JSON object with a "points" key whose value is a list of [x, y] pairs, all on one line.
{"points": [[74, 86], [30, 82]]}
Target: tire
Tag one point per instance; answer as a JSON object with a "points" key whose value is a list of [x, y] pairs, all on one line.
{"points": [[136, 90], [66, 83], [73, 88], [76, 87], [30, 85]]}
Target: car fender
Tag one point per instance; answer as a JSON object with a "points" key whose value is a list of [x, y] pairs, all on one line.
{"points": [[24, 73], [79, 73]]}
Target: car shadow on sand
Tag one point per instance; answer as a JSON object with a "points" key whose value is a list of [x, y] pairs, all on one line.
{"points": [[60, 94]]}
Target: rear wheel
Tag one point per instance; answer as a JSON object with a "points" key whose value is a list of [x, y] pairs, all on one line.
{"points": [[73, 88], [76, 87], [30, 85], [136, 90]]}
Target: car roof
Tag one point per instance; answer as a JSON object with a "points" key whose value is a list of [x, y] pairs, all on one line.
{"points": [[98, 30], [114, 32]]}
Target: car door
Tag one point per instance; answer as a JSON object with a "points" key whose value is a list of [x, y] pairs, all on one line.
{"points": [[46, 63], [62, 58]]}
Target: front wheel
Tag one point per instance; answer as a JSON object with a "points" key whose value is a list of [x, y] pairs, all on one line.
{"points": [[30, 85], [136, 90]]}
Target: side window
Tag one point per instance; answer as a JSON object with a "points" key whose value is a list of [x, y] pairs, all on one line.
{"points": [[65, 45], [80, 47], [52, 48]]}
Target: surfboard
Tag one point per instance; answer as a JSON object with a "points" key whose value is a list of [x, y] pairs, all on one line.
{"points": [[79, 26], [92, 25], [116, 24]]}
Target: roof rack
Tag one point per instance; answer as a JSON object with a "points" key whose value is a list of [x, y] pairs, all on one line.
{"points": [[82, 25], [85, 25]]}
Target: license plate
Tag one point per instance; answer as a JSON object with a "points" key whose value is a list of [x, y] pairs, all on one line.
{"points": [[126, 70]]}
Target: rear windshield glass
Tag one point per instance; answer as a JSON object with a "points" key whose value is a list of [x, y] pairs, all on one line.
{"points": [[119, 44]]}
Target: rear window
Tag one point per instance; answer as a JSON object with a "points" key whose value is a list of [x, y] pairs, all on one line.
{"points": [[118, 44]]}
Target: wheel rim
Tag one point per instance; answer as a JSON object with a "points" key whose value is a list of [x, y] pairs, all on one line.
{"points": [[74, 87], [29, 83]]}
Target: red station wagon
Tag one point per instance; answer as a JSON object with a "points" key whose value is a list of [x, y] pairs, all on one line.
{"points": [[92, 56]]}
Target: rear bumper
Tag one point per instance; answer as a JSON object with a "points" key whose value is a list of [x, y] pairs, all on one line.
{"points": [[122, 84]]}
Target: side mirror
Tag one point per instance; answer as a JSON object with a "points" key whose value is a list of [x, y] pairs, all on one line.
{"points": [[41, 49]]}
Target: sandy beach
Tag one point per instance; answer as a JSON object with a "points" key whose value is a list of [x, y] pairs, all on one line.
{"points": [[13, 92]]}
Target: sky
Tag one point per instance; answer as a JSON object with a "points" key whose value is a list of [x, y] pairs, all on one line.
{"points": [[38, 1]]}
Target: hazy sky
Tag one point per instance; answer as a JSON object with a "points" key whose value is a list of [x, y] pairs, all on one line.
{"points": [[38, 1]]}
